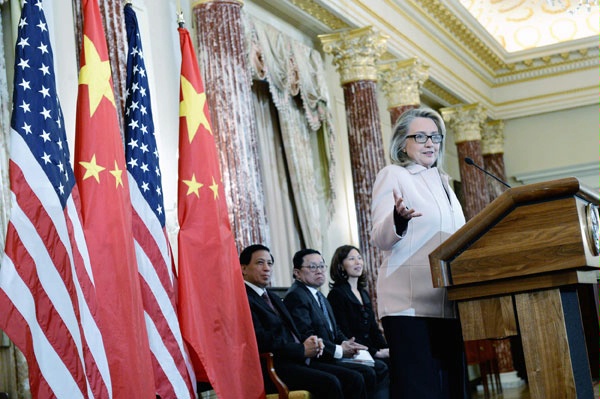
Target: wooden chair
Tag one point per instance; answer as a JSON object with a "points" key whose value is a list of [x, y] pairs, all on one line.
{"points": [[483, 353], [282, 389]]}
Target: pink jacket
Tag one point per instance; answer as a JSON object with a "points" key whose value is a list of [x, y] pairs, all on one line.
{"points": [[404, 284]]}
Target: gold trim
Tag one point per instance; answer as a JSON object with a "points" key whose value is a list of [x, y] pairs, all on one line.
{"points": [[196, 3], [464, 121], [443, 16], [400, 81], [355, 52], [441, 93], [320, 14], [543, 96], [492, 137]]}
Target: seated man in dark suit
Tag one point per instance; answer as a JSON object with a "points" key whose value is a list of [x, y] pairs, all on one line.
{"points": [[276, 332], [313, 315]]}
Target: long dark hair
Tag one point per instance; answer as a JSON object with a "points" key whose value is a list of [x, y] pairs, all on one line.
{"points": [[336, 268]]}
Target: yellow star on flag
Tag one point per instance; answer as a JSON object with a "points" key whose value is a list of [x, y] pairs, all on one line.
{"points": [[215, 188], [193, 186], [96, 74], [92, 169], [192, 108], [117, 173]]}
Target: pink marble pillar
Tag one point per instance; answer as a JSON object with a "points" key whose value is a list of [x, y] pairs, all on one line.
{"points": [[228, 88], [492, 142], [464, 122], [367, 158], [395, 112], [355, 54], [401, 82]]}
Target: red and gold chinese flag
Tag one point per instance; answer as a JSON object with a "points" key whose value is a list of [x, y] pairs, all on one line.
{"points": [[213, 306], [101, 174]]}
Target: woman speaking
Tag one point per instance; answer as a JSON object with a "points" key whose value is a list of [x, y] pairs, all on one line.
{"points": [[413, 212]]}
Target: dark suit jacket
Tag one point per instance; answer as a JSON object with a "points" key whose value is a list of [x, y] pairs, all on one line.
{"points": [[354, 318], [274, 331], [310, 320]]}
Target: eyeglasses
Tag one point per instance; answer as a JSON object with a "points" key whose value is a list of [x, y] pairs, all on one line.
{"points": [[422, 138], [316, 266]]}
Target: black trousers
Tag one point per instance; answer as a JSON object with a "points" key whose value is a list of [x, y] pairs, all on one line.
{"points": [[377, 378], [427, 358], [352, 380]]}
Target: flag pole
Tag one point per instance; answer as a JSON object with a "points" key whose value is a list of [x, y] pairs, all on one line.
{"points": [[180, 18]]}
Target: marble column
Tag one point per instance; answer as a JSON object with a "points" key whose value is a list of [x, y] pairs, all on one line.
{"points": [[228, 82], [492, 148], [401, 83], [464, 122], [355, 53]]}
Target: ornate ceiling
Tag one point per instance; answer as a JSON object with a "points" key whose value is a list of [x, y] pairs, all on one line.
{"points": [[525, 24], [471, 61]]}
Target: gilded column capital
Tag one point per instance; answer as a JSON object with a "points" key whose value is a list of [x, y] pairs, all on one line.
{"points": [[492, 137], [196, 3], [355, 52], [465, 121], [401, 81]]}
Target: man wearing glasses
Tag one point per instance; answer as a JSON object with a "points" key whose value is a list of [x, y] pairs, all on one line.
{"points": [[294, 354], [313, 315]]}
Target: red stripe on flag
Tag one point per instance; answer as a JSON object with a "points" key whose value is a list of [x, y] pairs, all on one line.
{"points": [[146, 241], [153, 310], [19, 329], [50, 320]]}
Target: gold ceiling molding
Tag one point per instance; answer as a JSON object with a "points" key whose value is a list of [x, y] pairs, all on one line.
{"points": [[571, 58], [549, 66], [440, 12], [320, 14], [548, 97], [522, 70], [196, 3], [441, 93], [502, 71]]}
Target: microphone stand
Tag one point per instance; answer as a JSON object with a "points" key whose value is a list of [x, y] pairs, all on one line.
{"points": [[469, 161]]}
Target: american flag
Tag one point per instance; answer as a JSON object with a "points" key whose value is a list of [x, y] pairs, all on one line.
{"points": [[171, 374], [47, 295]]}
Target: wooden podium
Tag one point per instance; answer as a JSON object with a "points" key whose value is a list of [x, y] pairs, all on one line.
{"points": [[528, 264]]}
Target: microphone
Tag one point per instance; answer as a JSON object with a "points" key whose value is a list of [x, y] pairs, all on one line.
{"points": [[469, 161]]}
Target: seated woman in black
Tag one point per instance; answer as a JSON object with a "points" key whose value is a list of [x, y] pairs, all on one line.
{"points": [[351, 303]]}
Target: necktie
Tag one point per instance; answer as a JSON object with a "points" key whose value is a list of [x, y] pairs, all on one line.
{"points": [[265, 296], [321, 298]]}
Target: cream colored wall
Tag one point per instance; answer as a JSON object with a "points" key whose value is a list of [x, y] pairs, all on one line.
{"points": [[552, 142]]}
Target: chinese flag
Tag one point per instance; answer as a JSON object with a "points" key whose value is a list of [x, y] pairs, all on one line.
{"points": [[101, 175], [213, 306]]}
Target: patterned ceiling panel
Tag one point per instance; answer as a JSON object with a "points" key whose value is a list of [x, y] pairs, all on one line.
{"points": [[525, 24]]}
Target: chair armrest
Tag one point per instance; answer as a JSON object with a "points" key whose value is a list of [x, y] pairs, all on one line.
{"points": [[282, 389]]}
